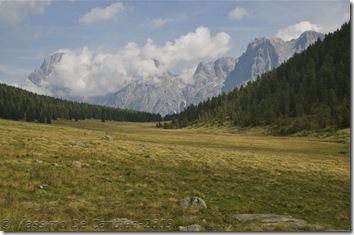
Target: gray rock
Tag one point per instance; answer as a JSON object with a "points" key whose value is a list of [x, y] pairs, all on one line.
{"points": [[270, 221], [76, 164], [81, 144], [39, 161], [297, 224], [265, 218], [55, 164], [194, 202], [107, 137], [190, 228]]}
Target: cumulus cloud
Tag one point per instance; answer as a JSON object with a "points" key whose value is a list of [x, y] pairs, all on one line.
{"points": [[87, 72], [102, 14], [294, 31], [14, 12], [238, 13]]}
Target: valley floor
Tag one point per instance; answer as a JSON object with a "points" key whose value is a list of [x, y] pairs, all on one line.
{"points": [[139, 172]]}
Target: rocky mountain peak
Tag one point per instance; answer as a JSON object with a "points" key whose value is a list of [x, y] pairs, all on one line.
{"points": [[264, 54], [50, 60]]}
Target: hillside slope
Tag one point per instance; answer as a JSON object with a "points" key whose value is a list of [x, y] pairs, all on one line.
{"points": [[310, 91], [17, 104]]}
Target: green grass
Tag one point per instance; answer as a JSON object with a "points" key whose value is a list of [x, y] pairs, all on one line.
{"points": [[144, 172]]}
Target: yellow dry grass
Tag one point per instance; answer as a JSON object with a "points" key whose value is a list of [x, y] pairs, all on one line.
{"points": [[144, 172]]}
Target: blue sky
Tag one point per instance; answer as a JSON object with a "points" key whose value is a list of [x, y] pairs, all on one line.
{"points": [[31, 30]]}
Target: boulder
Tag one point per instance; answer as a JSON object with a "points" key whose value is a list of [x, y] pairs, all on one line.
{"points": [[196, 202]]}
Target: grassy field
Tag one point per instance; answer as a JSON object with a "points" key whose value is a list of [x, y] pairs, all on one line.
{"points": [[144, 172]]}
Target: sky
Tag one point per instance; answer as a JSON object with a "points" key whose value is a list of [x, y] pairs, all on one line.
{"points": [[105, 40]]}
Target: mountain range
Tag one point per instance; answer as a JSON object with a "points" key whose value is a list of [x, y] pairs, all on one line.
{"points": [[170, 93]]}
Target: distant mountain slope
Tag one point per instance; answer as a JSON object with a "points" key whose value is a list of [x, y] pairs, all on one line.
{"points": [[165, 94], [309, 91], [161, 96], [209, 78], [169, 93], [265, 54]]}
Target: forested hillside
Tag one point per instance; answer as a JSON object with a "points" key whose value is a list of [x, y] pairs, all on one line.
{"points": [[310, 91], [18, 104]]}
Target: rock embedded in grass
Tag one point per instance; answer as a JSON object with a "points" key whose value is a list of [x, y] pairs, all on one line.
{"points": [[190, 228], [107, 137], [193, 202], [76, 164], [81, 144], [272, 221]]}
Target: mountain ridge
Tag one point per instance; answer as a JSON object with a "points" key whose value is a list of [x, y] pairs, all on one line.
{"points": [[169, 93], [264, 54]]}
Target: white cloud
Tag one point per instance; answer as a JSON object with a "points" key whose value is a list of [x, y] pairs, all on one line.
{"points": [[98, 14], [238, 13], [294, 31], [88, 72], [15, 12], [159, 22]]}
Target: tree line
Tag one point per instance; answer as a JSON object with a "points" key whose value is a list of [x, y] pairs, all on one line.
{"points": [[309, 91], [18, 104]]}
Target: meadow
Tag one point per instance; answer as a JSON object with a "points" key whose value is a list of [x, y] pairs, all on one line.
{"points": [[141, 173]]}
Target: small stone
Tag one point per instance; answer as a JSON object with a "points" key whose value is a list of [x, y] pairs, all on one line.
{"points": [[55, 164], [41, 186], [81, 144], [39, 161], [76, 164], [190, 228], [107, 137]]}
